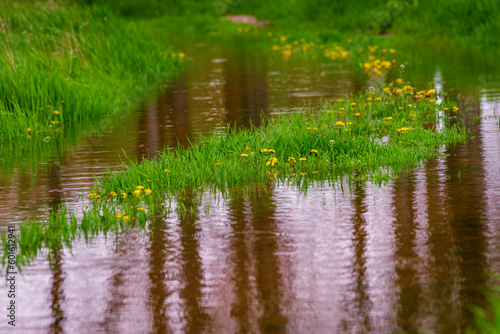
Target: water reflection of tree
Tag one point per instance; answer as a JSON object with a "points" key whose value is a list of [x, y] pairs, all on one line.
{"points": [[362, 302], [255, 243], [58, 275], [192, 271], [407, 262], [167, 121], [245, 86], [158, 292], [467, 203]]}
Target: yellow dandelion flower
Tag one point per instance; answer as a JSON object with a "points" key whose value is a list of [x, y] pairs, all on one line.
{"points": [[166, 170], [303, 173], [244, 155], [141, 209], [119, 215], [247, 148], [412, 115], [148, 191], [291, 159], [379, 99], [445, 109], [314, 151], [407, 89], [124, 195], [455, 108], [139, 187], [92, 195], [339, 123], [302, 159], [387, 118], [271, 151], [339, 100], [218, 162], [342, 109], [264, 150], [137, 192], [353, 104], [112, 193], [357, 114], [56, 112], [126, 218], [430, 92]]}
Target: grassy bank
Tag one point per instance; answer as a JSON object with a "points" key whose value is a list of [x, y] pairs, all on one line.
{"points": [[373, 136], [65, 67]]}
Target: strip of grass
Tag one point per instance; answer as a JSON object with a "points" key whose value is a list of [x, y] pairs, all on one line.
{"points": [[373, 136], [65, 67]]}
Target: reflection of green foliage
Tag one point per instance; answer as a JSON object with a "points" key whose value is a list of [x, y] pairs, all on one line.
{"points": [[64, 68], [487, 320]]}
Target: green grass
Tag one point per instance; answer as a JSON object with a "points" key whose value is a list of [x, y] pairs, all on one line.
{"points": [[64, 69], [396, 132], [466, 23]]}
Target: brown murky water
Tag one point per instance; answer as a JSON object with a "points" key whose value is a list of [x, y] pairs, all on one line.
{"points": [[409, 256]]}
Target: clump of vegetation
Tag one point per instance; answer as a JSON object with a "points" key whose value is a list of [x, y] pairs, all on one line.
{"points": [[64, 67], [366, 134]]}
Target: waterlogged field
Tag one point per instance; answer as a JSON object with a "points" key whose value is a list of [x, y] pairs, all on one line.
{"points": [[371, 197], [373, 137]]}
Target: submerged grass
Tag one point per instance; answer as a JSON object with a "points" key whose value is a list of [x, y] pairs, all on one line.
{"points": [[487, 320], [65, 67], [372, 136]]}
